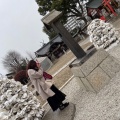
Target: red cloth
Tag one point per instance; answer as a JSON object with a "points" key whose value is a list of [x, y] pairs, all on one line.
{"points": [[47, 76], [103, 18]]}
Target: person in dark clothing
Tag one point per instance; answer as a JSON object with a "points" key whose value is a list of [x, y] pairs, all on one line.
{"points": [[47, 91]]}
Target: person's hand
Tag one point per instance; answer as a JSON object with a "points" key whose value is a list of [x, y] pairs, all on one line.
{"points": [[38, 65]]}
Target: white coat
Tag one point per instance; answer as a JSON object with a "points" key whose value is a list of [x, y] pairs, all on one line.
{"points": [[38, 81]]}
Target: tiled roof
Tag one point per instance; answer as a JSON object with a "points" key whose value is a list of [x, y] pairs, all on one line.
{"points": [[94, 3]]}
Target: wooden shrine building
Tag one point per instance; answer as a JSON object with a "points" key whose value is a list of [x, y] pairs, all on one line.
{"points": [[100, 8]]}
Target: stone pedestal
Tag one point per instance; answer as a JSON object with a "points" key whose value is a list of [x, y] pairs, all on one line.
{"points": [[97, 70], [115, 52]]}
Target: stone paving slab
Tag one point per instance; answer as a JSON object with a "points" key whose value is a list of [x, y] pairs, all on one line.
{"points": [[87, 85], [77, 72], [66, 114], [93, 62], [98, 79], [115, 52], [110, 66]]}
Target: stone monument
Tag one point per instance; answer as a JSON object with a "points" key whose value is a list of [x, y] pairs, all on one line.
{"points": [[99, 68], [53, 20], [94, 68]]}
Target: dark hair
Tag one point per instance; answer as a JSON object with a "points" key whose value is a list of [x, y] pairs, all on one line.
{"points": [[32, 65], [22, 77]]}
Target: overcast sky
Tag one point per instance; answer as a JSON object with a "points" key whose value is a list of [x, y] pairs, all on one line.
{"points": [[20, 28]]}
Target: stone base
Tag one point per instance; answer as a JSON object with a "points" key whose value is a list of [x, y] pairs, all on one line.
{"points": [[115, 52], [66, 114], [97, 71]]}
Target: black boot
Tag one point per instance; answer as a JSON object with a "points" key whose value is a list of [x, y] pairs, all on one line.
{"points": [[63, 106]]}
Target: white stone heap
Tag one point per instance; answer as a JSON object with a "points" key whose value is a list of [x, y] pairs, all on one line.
{"points": [[102, 34], [18, 102]]}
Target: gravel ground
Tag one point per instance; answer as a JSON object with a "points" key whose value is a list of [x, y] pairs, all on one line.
{"points": [[90, 106], [62, 77], [61, 62]]}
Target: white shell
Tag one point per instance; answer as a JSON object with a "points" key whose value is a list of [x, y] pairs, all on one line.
{"points": [[102, 34], [18, 101]]}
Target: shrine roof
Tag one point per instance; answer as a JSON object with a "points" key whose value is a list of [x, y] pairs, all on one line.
{"points": [[94, 3]]}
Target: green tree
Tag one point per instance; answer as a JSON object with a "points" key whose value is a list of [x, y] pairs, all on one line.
{"points": [[51, 34], [68, 7]]}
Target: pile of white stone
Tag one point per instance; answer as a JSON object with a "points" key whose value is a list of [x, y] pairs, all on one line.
{"points": [[102, 34], [18, 103]]}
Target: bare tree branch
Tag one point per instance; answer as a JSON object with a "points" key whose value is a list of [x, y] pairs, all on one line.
{"points": [[72, 15], [13, 61], [80, 6]]}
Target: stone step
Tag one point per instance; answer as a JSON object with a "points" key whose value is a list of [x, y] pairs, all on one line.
{"points": [[67, 114]]}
